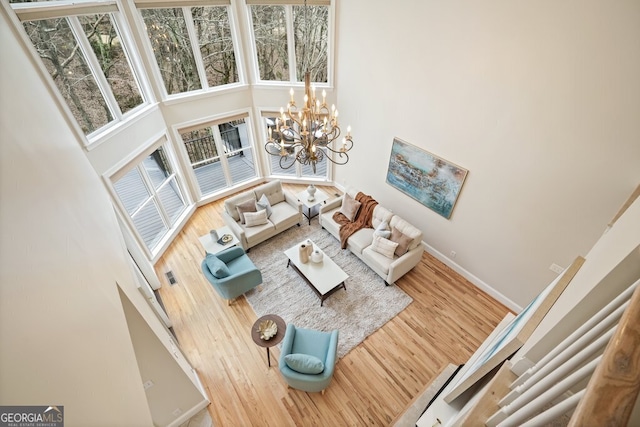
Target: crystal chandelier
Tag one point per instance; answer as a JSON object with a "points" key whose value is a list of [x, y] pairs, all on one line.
{"points": [[306, 134]]}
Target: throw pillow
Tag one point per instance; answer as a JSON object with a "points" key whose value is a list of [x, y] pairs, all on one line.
{"points": [[263, 203], [350, 207], [248, 206], [255, 218], [217, 267], [402, 239], [382, 230], [383, 246], [304, 363]]}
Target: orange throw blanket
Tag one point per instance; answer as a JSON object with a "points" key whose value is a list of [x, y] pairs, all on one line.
{"points": [[362, 219]]}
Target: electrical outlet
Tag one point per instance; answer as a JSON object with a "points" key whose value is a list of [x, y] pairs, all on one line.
{"points": [[556, 268], [177, 412], [452, 254], [148, 384]]}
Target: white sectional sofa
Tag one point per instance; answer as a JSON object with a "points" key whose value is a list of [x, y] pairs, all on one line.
{"points": [[285, 211], [390, 268]]}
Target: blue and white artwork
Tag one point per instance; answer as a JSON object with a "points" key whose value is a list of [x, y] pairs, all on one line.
{"points": [[429, 179]]}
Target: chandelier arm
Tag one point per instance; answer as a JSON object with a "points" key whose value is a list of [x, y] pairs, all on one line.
{"points": [[339, 162]]}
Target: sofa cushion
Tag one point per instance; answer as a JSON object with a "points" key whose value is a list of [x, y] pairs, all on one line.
{"points": [[380, 215], [263, 203], [253, 219], [408, 230], [382, 230], [304, 363], [273, 191], [383, 246], [246, 206], [258, 233], [218, 268], [350, 207], [284, 216], [377, 262], [403, 241], [231, 202], [360, 240]]}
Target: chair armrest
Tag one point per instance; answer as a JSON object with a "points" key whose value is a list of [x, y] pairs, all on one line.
{"points": [[287, 342], [331, 204], [291, 199], [332, 353], [405, 263], [229, 254]]}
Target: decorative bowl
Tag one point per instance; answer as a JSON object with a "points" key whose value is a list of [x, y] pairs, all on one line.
{"points": [[227, 238], [268, 329]]}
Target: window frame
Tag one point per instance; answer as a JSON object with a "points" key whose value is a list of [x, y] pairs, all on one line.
{"points": [[214, 122], [298, 176], [186, 7], [70, 10], [291, 53], [135, 161]]}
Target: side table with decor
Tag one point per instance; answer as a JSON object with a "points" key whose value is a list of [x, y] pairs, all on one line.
{"points": [[268, 331]]}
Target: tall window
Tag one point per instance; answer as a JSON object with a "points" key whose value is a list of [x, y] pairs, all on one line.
{"points": [[290, 40], [192, 46], [152, 197], [221, 154], [89, 63]]}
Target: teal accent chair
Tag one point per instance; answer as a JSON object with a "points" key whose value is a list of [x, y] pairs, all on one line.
{"points": [[322, 345], [231, 273]]}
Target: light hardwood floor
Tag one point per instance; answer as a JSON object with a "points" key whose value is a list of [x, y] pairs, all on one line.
{"points": [[372, 385]]}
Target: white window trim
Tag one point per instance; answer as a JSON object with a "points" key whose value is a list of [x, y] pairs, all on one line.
{"points": [[288, 6], [70, 9], [214, 121], [133, 161]]}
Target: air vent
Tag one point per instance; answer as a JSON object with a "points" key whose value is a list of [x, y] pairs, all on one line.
{"points": [[171, 278]]}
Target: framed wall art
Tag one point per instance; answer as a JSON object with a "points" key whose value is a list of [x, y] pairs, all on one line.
{"points": [[427, 178]]}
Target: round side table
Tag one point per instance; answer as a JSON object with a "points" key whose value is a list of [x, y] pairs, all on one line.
{"points": [[255, 334]]}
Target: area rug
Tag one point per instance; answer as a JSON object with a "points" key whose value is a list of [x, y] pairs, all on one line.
{"points": [[364, 307]]}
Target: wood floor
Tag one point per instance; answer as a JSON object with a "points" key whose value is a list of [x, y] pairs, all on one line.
{"points": [[445, 323]]}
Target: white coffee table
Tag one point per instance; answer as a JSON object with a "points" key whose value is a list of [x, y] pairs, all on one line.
{"points": [[319, 198], [324, 277], [212, 246]]}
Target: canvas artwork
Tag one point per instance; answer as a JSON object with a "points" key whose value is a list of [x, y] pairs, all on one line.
{"points": [[427, 178]]}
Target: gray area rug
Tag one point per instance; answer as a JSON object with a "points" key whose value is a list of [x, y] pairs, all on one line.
{"points": [[364, 307]]}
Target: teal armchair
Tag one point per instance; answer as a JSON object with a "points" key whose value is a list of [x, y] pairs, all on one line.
{"points": [[308, 358], [231, 273]]}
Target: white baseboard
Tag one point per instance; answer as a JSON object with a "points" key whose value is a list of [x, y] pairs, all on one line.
{"points": [[473, 279], [197, 408]]}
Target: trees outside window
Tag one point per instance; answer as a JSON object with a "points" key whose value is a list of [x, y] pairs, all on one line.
{"points": [[89, 65], [309, 41], [193, 47]]}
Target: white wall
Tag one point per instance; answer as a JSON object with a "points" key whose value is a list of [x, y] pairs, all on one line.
{"points": [[539, 100], [65, 339], [611, 266], [63, 331]]}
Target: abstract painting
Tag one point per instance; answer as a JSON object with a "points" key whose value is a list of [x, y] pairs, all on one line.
{"points": [[427, 178]]}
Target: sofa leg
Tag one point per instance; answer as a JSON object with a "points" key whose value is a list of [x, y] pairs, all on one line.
{"points": [[228, 303], [323, 391], [386, 284]]}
